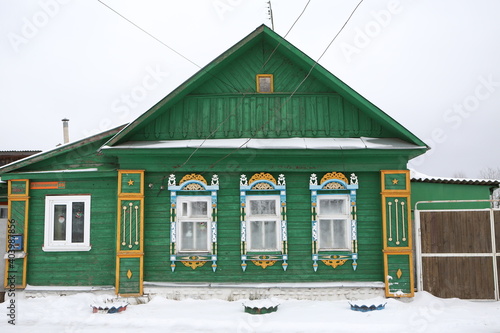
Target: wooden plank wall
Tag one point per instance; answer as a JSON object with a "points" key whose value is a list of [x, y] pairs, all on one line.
{"points": [[370, 263], [277, 116], [93, 268]]}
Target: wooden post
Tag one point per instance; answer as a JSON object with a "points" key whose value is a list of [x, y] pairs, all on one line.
{"points": [[397, 233], [17, 228], [130, 233]]}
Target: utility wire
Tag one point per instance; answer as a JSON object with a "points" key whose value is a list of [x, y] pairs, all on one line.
{"points": [[163, 43], [300, 15], [149, 34], [296, 20]]}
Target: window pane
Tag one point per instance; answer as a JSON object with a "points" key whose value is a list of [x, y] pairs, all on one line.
{"points": [[201, 243], [77, 222], [270, 235], [264, 84], [3, 213], [340, 234], [194, 236], [187, 234], [263, 235], [333, 234], [199, 209], [262, 207], [256, 232], [184, 210], [59, 222], [326, 234], [332, 206]]}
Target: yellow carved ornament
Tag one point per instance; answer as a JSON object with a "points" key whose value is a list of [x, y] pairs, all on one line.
{"points": [[334, 263], [264, 263], [262, 176], [193, 176], [193, 264], [334, 175]]}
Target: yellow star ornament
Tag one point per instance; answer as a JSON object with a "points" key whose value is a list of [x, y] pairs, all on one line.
{"points": [[395, 181], [130, 182]]}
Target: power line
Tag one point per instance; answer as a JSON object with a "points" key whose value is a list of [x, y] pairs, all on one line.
{"points": [[163, 43], [300, 15], [279, 43], [149, 34]]}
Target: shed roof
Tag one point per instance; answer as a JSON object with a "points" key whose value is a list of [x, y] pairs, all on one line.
{"points": [[421, 178]]}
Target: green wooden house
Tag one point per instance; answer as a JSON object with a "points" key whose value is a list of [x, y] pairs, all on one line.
{"points": [[263, 169]]}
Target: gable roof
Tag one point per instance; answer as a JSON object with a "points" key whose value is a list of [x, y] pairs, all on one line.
{"points": [[314, 69]]}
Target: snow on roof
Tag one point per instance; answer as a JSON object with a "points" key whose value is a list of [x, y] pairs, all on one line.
{"points": [[422, 178], [286, 143]]}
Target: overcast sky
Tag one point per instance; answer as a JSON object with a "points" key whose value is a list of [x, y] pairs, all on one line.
{"points": [[432, 65]]}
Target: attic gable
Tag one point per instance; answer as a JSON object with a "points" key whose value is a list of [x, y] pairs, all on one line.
{"points": [[238, 75], [221, 101]]}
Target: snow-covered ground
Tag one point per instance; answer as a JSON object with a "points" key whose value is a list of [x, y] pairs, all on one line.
{"points": [[424, 313]]}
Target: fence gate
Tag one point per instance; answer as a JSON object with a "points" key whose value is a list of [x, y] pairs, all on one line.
{"points": [[458, 253]]}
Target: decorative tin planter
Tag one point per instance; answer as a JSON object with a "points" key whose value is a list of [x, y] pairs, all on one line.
{"points": [[366, 308], [109, 307], [260, 306]]}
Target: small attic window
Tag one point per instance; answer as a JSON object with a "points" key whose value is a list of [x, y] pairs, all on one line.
{"points": [[265, 83]]}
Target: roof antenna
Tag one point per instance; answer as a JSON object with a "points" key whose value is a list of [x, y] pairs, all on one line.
{"points": [[270, 13]]}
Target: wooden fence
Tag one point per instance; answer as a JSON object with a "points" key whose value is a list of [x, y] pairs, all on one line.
{"points": [[458, 253]]}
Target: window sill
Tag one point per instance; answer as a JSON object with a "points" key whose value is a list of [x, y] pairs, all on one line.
{"points": [[335, 251], [267, 252], [67, 248], [194, 253]]}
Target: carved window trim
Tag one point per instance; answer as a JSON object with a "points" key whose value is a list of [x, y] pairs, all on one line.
{"points": [[334, 184], [187, 185], [261, 185]]}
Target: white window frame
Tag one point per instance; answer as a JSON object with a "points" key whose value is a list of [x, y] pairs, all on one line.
{"points": [[346, 217], [51, 245], [276, 218], [182, 219]]}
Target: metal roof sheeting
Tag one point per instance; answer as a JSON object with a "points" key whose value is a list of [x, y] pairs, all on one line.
{"points": [[288, 143], [420, 177]]}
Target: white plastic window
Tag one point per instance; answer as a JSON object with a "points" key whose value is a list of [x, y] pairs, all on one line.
{"points": [[263, 223], [334, 222], [194, 222], [67, 223]]}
